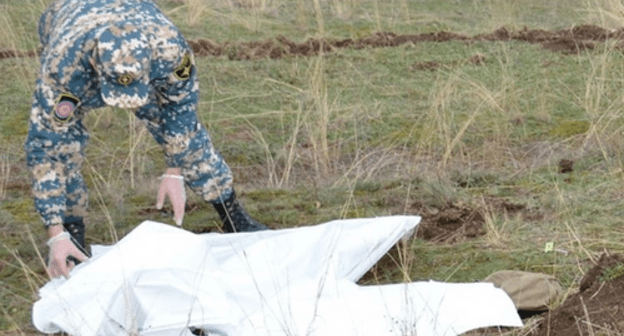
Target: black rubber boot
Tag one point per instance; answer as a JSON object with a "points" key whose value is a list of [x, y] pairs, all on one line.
{"points": [[235, 218], [76, 228]]}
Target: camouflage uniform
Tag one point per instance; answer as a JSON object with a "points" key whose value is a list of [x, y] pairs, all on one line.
{"points": [[123, 53]]}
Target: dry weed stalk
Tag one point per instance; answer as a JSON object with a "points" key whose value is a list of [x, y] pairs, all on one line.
{"points": [[195, 10], [609, 12], [24, 69], [343, 8], [249, 13], [494, 234], [588, 321], [5, 173], [602, 113], [98, 180], [318, 120], [503, 13], [438, 122], [135, 160], [569, 224], [292, 144]]}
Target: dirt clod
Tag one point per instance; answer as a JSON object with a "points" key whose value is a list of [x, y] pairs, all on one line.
{"points": [[422, 66], [477, 59], [566, 166]]}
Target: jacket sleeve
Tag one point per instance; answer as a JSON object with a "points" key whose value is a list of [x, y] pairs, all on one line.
{"points": [[54, 151], [171, 118]]}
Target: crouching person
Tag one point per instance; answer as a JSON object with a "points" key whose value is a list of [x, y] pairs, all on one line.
{"points": [[127, 54]]}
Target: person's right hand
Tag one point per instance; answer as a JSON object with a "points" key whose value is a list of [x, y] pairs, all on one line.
{"points": [[62, 247]]}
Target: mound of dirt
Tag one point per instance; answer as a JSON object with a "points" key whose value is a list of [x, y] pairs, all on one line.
{"points": [[569, 41], [598, 309]]}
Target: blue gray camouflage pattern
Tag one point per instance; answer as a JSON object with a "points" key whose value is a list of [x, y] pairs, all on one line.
{"points": [[123, 53]]}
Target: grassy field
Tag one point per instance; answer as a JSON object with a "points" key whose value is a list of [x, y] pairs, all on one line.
{"points": [[360, 133]]}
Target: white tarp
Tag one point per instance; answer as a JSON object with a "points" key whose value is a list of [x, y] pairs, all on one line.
{"points": [[161, 280]]}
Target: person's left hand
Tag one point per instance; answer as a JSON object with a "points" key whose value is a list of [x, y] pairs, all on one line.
{"points": [[172, 185], [62, 247]]}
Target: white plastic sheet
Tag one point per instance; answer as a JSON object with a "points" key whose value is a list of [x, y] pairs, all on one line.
{"points": [[161, 280]]}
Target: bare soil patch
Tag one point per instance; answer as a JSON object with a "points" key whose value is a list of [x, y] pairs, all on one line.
{"points": [[597, 309], [451, 224], [459, 222]]}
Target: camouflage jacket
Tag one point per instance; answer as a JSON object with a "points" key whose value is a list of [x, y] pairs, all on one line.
{"points": [[82, 69]]}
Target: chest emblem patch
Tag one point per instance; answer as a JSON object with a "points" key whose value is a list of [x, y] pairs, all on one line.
{"points": [[65, 107], [183, 71]]}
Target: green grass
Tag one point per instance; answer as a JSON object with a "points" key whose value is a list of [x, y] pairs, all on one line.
{"points": [[360, 133], [612, 273]]}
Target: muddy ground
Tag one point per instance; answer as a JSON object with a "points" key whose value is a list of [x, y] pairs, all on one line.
{"points": [[570, 41]]}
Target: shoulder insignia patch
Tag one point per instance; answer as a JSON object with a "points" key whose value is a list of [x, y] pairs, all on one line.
{"points": [[184, 70], [65, 107]]}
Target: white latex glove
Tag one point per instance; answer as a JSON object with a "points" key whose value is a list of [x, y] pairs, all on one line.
{"points": [[62, 247], [172, 185]]}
